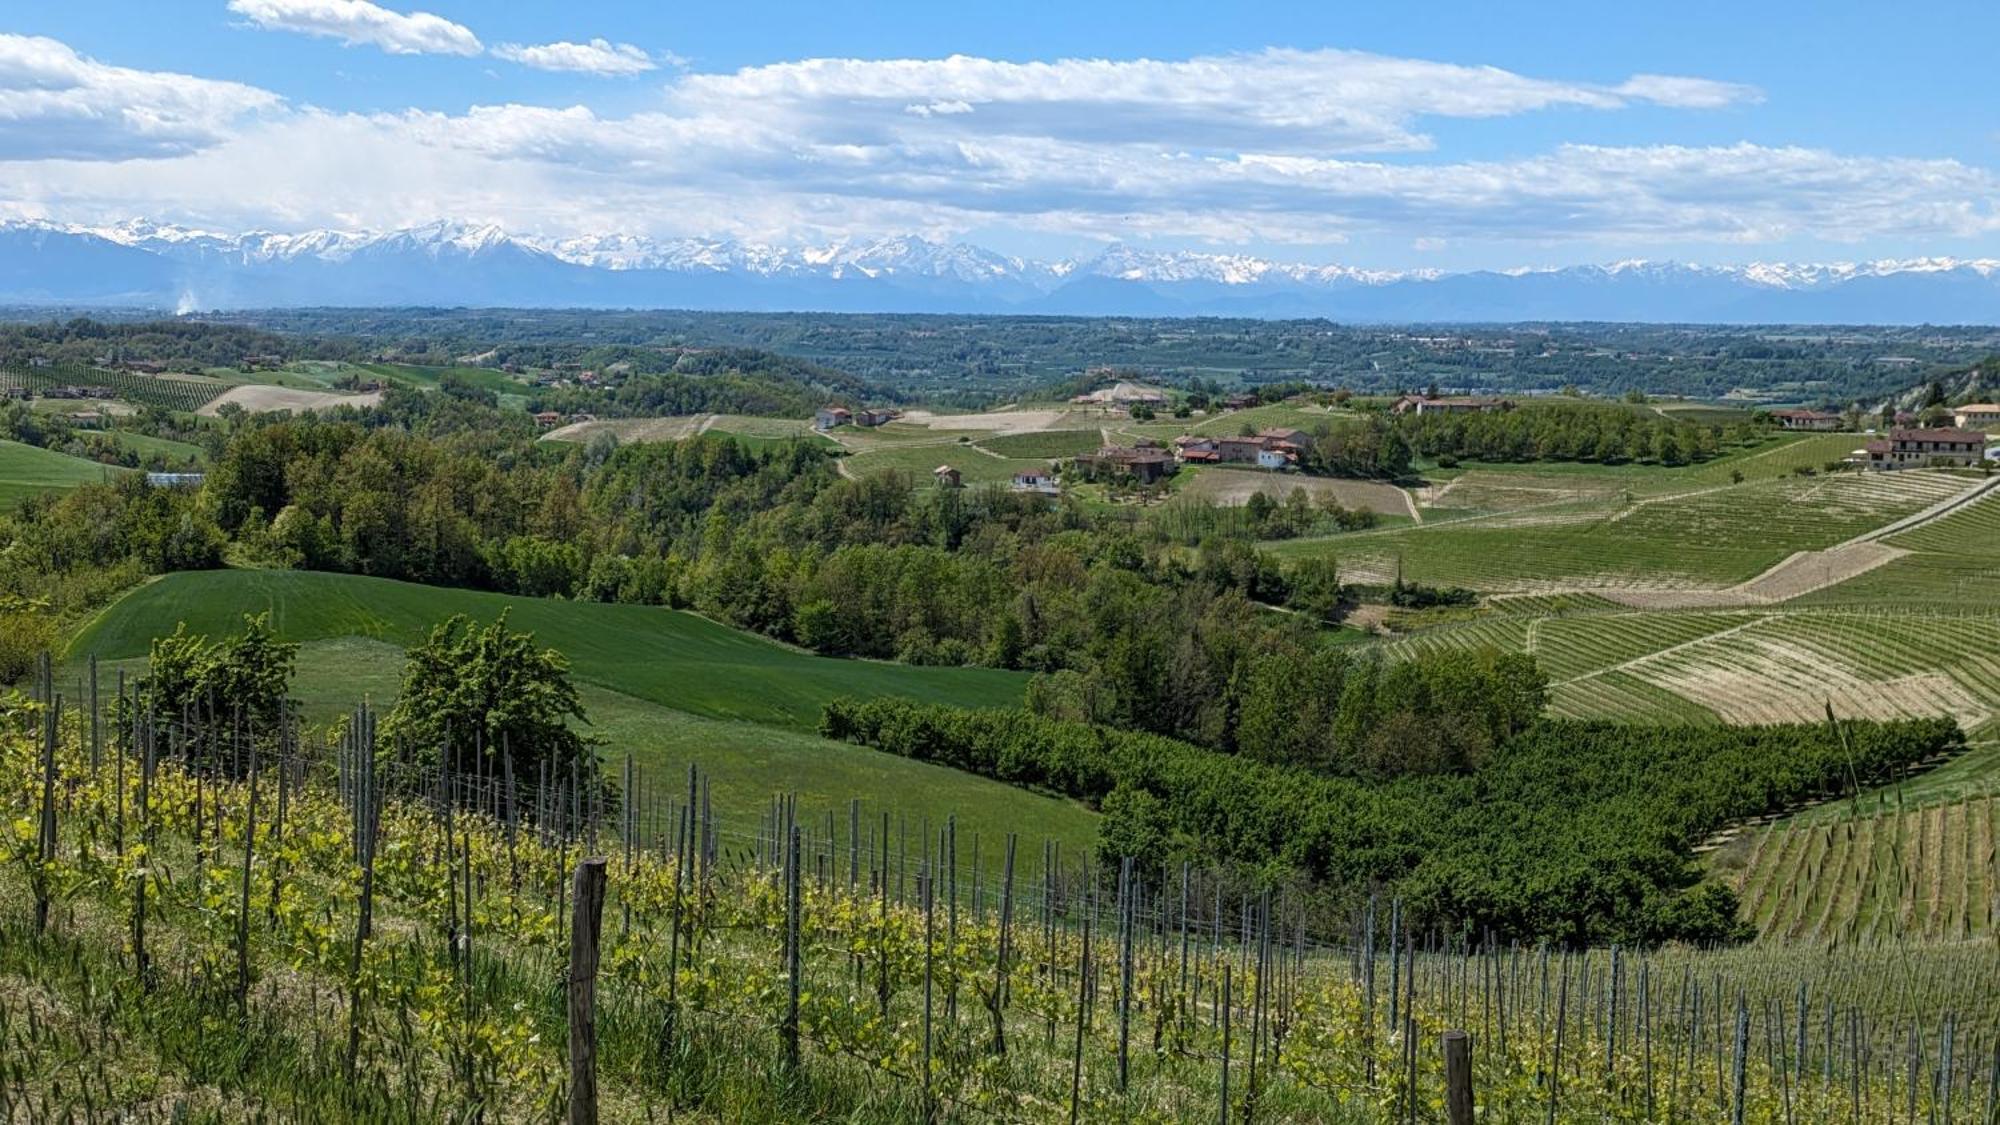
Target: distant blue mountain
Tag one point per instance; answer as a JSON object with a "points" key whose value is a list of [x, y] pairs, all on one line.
{"points": [[147, 264]]}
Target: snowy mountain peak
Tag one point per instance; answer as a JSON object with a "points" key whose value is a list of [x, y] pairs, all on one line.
{"points": [[142, 261]]}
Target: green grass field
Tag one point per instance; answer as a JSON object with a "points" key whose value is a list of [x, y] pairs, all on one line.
{"points": [[674, 659], [974, 466], [1047, 444], [26, 470], [668, 688]]}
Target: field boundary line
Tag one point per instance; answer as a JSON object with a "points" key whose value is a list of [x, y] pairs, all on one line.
{"points": [[1755, 619]]}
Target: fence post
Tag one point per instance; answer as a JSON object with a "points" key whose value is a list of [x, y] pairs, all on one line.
{"points": [[583, 933], [1458, 1077]]}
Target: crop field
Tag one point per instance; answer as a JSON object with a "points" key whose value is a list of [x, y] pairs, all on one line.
{"points": [[1749, 666], [169, 392], [1880, 874], [1236, 486], [1045, 444], [1709, 538], [674, 659], [975, 465], [26, 470], [1954, 563]]}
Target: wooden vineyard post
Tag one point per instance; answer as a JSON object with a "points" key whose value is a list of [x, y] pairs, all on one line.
{"points": [[794, 960], [1082, 1011], [46, 836], [1000, 963], [1458, 1078], [583, 934], [1227, 999]]}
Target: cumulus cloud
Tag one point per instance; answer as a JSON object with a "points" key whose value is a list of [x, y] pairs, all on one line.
{"points": [[1308, 147], [1285, 100], [357, 23], [599, 56], [55, 103]]}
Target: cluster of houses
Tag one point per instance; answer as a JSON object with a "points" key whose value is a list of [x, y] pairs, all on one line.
{"points": [[829, 417], [1267, 449]]}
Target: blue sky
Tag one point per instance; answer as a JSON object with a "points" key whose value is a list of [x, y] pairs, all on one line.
{"points": [[1391, 136]]}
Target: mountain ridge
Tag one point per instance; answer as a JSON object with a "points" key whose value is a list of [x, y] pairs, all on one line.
{"points": [[451, 263]]}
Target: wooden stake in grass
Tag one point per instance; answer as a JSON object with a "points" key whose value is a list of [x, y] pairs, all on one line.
{"points": [[1458, 1077], [583, 955]]}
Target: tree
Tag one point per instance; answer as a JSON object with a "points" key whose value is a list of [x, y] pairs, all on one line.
{"points": [[247, 675], [470, 693]]}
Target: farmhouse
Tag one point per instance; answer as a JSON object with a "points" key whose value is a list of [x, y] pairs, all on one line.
{"points": [[1239, 401], [40, 361], [87, 420], [1143, 465], [830, 416], [1270, 449], [1906, 449], [1805, 419], [947, 477], [873, 417], [174, 480], [1035, 480], [1192, 450], [547, 419], [145, 366], [1463, 404], [1978, 416]]}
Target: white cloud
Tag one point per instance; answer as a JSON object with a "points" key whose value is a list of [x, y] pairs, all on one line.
{"points": [[1307, 147], [599, 56], [358, 23], [55, 103]]}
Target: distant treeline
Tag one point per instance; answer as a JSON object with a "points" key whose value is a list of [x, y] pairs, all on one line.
{"points": [[723, 381], [1567, 432], [1579, 833]]}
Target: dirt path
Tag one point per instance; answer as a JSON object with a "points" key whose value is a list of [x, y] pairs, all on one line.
{"points": [[1936, 511]]}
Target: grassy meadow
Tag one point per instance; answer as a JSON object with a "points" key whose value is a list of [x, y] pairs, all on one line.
{"points": [[26, 470]]}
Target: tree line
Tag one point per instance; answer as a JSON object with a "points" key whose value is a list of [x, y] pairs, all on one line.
{"points": [[1575, 832]]}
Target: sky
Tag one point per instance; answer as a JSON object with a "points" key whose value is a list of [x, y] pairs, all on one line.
{"points": [[1484, 134]]}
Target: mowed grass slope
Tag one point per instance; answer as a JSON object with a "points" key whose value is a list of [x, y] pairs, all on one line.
{"points": [[26, 470], [670, 658]]}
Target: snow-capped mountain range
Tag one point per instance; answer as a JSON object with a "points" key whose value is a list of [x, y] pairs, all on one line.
{"points": [[144, 263]]}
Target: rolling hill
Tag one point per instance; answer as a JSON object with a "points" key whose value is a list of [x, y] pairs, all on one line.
{"points": [[673, 659]]}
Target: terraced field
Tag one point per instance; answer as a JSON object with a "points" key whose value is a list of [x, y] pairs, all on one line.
{"points": [[1886, 873]]}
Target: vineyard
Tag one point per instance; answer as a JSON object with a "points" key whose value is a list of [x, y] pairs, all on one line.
{"points": [[1707, 538], [168, 392], [1880, 874], [1748, 666], [208, 922]]}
